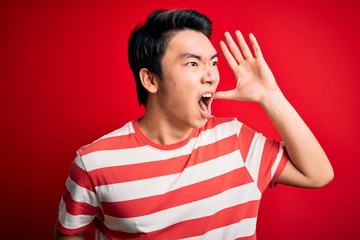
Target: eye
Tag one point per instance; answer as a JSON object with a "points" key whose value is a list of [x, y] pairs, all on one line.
{"points": [[192, 64], [214, 63]]}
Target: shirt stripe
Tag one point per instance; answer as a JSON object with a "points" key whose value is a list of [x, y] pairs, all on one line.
{"points": [[194, 192], [137, 189], [77, 221], [81, 194], [162, 167], [243, 228], [193, 210], [125, 156], [163, 184]]}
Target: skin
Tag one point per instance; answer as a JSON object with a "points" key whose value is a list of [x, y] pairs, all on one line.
{"points": [[189, 71], [309, 165], [59, 236]]}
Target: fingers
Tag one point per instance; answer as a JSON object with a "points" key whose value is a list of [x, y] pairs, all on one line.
{"points": [[226, 95], [242, 52], [233, 55], [233, 47], [255, 46], [243, 46], [228, 56]]}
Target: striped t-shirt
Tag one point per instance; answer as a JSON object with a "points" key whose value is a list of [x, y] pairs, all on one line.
{"points": [[207, 186]]}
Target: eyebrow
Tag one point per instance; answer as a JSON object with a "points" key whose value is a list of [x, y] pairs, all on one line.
{"points": [[192, 55]]}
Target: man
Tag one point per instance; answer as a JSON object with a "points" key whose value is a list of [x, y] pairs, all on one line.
{"points": [[178, 172]]}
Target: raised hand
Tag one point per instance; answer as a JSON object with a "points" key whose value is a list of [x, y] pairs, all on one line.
{"points": [[254, 79], [308, 165]]}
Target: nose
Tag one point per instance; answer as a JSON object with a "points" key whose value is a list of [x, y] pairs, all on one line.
{"points": [[210, 75]]}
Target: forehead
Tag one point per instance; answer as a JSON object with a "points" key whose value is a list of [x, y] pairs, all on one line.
{"points": [[189, 41]]}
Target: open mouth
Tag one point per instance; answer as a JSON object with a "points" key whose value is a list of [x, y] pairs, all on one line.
{"points": [[204, 101]]}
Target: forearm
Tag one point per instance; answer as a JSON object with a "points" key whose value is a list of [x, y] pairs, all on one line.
{"points": [[305, 151], [309, 165], [72, 237], [59, 236]]}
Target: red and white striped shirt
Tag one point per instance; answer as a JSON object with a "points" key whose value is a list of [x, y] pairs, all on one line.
{"points": [[208, 186]]}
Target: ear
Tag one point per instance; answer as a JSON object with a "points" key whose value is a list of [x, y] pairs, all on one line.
{"points": [[148, 80]]}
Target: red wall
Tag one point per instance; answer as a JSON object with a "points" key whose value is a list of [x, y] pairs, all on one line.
{"points": [[65, 81]]}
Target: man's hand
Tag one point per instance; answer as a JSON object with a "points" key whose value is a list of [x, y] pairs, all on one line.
{"points": [[254, 79], [308, 165]]}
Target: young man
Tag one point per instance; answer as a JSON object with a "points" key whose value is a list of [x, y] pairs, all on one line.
{"points": [[178, 172]]}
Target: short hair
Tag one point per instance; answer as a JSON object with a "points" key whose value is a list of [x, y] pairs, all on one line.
{"points": [[148, 42]]}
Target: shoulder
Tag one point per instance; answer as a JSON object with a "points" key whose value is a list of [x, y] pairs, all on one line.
{"points": [[223, 123], [114, 139], [215, 121]]}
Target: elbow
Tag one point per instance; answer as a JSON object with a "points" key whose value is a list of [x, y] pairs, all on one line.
{"points": [[329, 177], [324, 179], [324, 175]]}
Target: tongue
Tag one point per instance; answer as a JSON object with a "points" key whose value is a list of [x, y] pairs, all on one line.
{"points": [[202, 105], [206, 113]]}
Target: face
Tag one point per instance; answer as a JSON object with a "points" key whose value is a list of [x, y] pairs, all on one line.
{"points": [[190, 78]]}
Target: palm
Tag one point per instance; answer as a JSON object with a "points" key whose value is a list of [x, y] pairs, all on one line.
{"points": [[254, 78]]}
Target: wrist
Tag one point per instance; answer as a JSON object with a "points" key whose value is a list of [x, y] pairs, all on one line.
{"points": [[272, 100]]}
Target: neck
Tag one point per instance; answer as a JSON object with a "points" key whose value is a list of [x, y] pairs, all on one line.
{"points": [[162, 131]]}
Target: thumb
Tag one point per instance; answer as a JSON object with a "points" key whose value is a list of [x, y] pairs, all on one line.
{"points": [[226, 95]]}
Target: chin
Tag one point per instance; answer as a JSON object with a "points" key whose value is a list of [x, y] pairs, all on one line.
{"points": [[200, 123]]}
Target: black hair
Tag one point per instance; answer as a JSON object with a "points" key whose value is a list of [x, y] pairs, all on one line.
{"points": [[147, 43]]}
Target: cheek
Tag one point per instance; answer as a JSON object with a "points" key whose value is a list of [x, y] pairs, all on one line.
{"points": [[181, 97], [180, 87], [182, 84], [216, 75]]}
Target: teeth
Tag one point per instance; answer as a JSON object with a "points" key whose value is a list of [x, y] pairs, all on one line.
{"points": [[204, 101], [207, 95]]}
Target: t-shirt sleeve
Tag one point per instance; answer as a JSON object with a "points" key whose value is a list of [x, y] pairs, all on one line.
{"points": [[79, 204], [264, 158]]}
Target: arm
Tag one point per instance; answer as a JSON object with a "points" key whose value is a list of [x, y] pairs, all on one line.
{"points": [[60, 236], [309, 165]]}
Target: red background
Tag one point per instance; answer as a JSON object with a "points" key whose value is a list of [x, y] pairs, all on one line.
{"points": [[65, 81]]}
